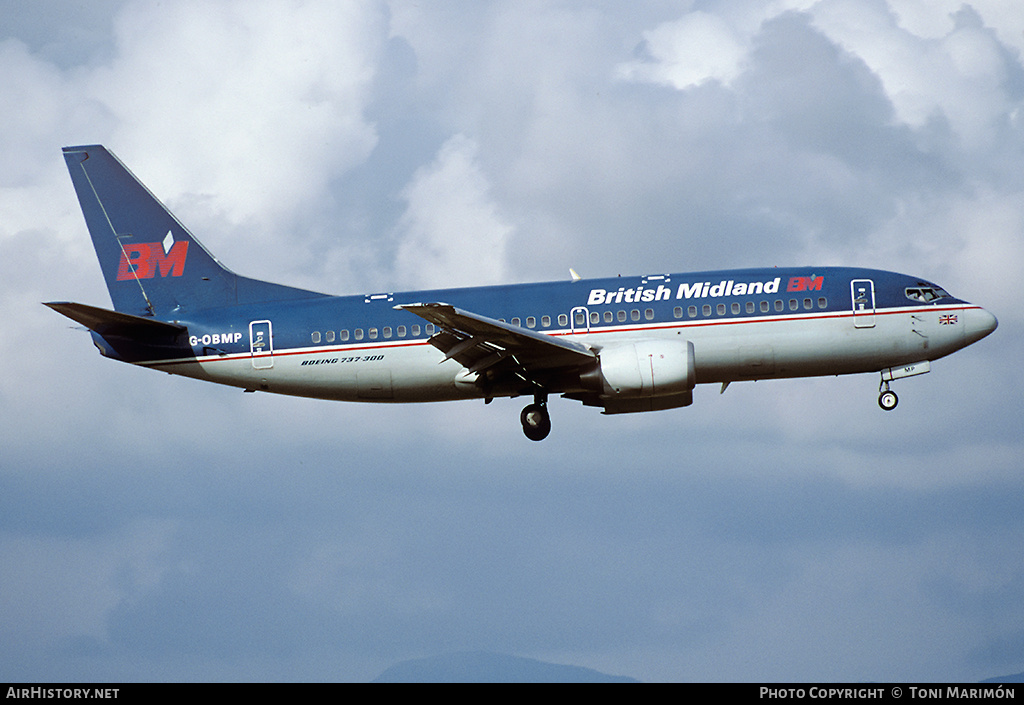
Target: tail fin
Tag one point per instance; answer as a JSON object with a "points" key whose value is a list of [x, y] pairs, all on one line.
{"points": [[152, 264]]}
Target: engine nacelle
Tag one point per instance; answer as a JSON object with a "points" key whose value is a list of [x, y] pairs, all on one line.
{"points": [[650, 368]]}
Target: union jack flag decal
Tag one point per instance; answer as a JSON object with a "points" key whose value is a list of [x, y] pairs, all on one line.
{"points": [[947, 319]]}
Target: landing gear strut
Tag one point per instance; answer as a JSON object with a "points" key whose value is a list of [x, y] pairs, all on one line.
{"points": [[535, 419], [887, 398]]}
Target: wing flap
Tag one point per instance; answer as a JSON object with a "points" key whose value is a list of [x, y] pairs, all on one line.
{"points": [[480, 343]]}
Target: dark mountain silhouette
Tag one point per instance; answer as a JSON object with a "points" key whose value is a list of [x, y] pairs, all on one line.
{"points": [[1015, 678], [482, 667]]}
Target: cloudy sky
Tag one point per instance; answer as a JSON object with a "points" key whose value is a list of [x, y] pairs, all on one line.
{"points": [[158, 528]]}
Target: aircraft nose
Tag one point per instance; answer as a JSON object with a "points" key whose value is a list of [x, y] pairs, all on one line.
{"points": [[978, 323]]}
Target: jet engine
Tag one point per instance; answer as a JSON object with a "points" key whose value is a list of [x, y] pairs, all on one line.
{"points": [[643, 376]]}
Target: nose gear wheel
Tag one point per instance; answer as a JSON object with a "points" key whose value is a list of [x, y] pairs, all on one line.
{"points": [[887, 398]]}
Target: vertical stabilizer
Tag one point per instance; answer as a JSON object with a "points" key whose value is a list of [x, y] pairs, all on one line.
{"points": [[152, 264]]}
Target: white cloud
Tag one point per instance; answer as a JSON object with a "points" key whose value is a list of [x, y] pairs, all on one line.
{"points": [[935, 18], [697, 47], [238, 115], [258, 104], [944, 59], [452, 233], [961, 74], [986, 234]]}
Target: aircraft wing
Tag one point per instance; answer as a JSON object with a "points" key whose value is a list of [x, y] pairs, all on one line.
{"points": [[480, 343]]}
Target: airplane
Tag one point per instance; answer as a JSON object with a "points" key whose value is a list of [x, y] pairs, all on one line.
{"points": [[622, 344]]}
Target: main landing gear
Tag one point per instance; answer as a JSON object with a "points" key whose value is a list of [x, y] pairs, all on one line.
{"points": [[535, 419], [887, 398]]}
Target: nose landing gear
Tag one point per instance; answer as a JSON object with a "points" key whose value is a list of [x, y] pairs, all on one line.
{"points": [[535, 419], [887, 398]]}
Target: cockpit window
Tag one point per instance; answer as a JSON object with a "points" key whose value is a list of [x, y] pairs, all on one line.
{"points": [[925, 293]]}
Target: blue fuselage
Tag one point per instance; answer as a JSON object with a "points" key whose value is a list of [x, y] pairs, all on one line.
{"points": [[744, 324]]}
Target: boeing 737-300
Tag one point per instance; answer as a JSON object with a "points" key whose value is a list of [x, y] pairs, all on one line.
{"points": [[623, 344]]}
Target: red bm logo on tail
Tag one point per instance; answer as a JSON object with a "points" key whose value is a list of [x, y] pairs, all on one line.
{"points": [[145, 260]]}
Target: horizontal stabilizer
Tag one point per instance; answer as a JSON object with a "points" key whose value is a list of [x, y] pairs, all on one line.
{"points": [[128, 338], [114, 323]]}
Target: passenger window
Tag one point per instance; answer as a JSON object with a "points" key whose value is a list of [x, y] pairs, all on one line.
{"points": [[516, 321], [429, 329], [677, 312], [415, 330], [316, 336], [634, 315], [563, 320], [822, 302], [344, 335], [330, 336], [609, 317], [721, 309], [691, 312], [622, 316], [649, 314], [735, 307], [595, 317], [764, 307], [580, 319], [373, 333], [401, 331], [778, 304], [706, 309], [807, 304], [359, 333], [750, 307], [545, 321], [531, 321], [793, 305], [387, 331]]}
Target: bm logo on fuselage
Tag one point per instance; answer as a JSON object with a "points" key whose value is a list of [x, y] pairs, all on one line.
{"points": [[145, 260], [811, 283]]}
